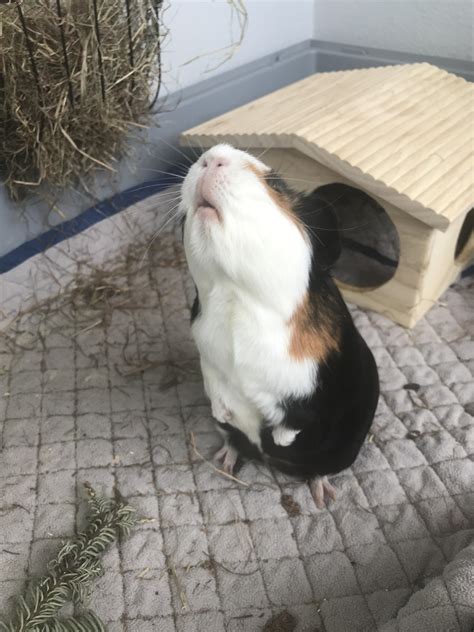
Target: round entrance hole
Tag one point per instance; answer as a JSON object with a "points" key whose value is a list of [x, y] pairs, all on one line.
{"points": [[465, 234], [369, 239]]}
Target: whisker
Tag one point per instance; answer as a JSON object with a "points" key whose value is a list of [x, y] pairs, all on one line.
{"points": [[150, 186], [169, 219], [166, 202], [163, 199], [169, 196], [292, 179], [200, 148], [171, 146], [178, 170], [195, 152], [263, 153], [167, 173], [346, 228], [173, 188], [310, 230], [324, 206]]}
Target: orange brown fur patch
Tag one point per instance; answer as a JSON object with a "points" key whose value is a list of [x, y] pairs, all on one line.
{"points": [[311, 339], [280, 200]]}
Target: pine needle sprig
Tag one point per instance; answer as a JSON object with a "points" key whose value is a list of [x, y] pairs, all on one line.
{"points": [[71, 573]]}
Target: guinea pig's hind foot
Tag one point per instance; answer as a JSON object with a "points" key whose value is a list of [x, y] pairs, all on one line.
{"points": [[320, 486], [228, 456]]}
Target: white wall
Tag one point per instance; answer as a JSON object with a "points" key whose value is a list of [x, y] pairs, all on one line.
{"points": [[430, 27], [197, 27]]}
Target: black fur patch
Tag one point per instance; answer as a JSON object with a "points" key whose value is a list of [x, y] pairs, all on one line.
{"points": [[240, 442], [196, 308], [316, 212], [335, 419], [276, 182]]}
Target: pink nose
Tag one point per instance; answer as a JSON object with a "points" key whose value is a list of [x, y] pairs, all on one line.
{"points": [[214, 162]]}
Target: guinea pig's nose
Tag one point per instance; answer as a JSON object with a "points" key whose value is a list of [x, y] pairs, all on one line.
{"points": [[215, 161]]}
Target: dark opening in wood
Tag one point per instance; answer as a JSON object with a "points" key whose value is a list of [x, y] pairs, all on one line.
{"points": [[467, 230], [370, 241]]}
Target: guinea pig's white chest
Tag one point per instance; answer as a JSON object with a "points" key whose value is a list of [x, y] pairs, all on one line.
{"points": [[213, 329], [263, 365], [249, 347]]}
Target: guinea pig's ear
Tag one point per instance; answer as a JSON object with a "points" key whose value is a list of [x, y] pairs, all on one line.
{"points": [[318, 212]]}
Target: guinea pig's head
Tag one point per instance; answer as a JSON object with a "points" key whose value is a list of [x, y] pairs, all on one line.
{"points": [[241, 220]]}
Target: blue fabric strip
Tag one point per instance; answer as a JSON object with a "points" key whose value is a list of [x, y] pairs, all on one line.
{"points": [[92, 216], [96, 214]]}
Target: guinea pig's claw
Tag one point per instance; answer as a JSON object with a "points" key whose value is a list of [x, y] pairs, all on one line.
{"points": [[227, 455], [319, 487]]}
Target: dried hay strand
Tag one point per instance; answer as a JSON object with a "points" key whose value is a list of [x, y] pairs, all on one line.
{"points": [[76, 76]]}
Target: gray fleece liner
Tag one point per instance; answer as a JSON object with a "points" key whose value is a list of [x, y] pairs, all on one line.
{"points": [[121, 402]]}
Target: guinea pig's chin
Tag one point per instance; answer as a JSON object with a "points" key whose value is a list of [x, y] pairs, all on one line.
{"points": [[208, 213]]}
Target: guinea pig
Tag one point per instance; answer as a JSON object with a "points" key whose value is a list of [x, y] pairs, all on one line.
{"points": [[290, 379]]}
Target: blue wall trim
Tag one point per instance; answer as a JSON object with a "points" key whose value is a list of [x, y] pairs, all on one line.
{"points": [[88, 218], [96, 214]]}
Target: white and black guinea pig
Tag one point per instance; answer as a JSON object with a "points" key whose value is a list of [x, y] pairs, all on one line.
{"points": [[289, 377]]}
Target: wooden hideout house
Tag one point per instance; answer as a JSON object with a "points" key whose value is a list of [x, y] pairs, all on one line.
{"points": [[397, 144]]}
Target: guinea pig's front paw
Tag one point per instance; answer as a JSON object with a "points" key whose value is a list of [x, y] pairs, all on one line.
{"points": [[220, 412], [320, 486], [284, 436]]}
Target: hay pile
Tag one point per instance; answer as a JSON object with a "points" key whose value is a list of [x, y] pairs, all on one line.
{"points": [[75, 77]]}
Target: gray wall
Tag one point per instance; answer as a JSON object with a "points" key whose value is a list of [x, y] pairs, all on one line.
{"points": [[418, 27], [200, 32], [429, 27]]}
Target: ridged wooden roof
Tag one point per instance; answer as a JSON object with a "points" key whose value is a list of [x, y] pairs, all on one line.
{"points": [[404, 133]]}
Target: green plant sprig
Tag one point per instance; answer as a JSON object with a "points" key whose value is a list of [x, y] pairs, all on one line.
{"points": [[71, 573]]}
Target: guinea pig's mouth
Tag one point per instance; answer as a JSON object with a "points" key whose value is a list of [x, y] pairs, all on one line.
{"points": [[207, 210]]}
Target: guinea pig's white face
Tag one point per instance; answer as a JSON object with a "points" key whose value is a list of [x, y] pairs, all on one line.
{"points": [[240, 224], [222, 185]]}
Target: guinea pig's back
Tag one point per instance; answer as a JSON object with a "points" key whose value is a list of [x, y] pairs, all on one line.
{"points": [[338, 415]]}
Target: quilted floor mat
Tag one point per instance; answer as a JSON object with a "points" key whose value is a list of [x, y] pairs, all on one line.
{"points": [[103, 385]]}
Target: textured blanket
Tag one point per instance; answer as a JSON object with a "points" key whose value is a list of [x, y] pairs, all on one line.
{"points": [[103, 385]]}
